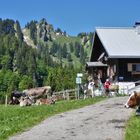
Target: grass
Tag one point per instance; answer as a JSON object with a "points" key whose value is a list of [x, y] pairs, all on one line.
{"points": [[63, 39], [133, 128], [14, 119]]}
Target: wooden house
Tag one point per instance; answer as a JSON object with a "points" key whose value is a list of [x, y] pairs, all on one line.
{"points": [[116, 53]]}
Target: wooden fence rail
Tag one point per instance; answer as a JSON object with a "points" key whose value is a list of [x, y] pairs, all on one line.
{"points": [[66, 94]]}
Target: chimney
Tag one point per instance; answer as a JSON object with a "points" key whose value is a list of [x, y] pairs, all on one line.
{"points": [[137, 27]]}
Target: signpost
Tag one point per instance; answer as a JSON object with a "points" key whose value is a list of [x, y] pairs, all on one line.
{"points": [[79, 75], [78, 82]]}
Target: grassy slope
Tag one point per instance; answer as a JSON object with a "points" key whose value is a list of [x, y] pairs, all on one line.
{"points": [[70, 39], [15, 119], [133, 128], [61, 39]]}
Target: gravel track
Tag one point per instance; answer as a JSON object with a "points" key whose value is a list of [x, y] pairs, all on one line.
{"points": [[104, 120]]}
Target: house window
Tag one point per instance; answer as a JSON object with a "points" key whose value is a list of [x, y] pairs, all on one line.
{"points": [[136, 67]]}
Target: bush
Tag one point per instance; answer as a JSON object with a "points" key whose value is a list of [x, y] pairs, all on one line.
{"points": [[2, 97]]}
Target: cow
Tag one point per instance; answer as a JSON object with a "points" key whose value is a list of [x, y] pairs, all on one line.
{"points": [[91, 87], [87, 88], [15, 96], [38, 92], [43, 101], [84, 89], [25, 101], [133, 100], [14, 101]]}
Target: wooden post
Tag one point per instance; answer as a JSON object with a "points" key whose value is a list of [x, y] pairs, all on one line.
{"points": [[6, 100], [76, 94], [68, 97], [64, 95]]}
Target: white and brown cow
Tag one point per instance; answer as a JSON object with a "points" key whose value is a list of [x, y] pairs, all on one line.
{"points": [[25, 101], [38, 92], [133, 100]]}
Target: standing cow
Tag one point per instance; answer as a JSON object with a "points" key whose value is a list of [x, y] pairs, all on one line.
{"points": [[38, 92]]}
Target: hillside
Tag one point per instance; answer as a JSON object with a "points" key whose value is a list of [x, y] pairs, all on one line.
{"points": [[40, 55], [70, 50]]}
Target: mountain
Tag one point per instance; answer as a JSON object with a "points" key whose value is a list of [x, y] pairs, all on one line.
{"points": [[40, 55], [63, 48]]}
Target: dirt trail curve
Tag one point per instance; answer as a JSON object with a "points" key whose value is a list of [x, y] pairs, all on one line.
{"points": [[102, 121]]}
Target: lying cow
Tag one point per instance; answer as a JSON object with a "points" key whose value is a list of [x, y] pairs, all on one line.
{"points": [[134, 101], [15, 96], [25, 101], [42, 101], [14, 101]]}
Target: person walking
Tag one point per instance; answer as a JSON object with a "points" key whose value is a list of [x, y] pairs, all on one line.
{"points": [[106, 86]]}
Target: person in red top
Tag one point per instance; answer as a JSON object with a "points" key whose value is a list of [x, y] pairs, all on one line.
{"points": [[106, 86]]}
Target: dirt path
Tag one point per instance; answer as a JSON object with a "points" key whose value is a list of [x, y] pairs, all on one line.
{"points": [[102, 121]]}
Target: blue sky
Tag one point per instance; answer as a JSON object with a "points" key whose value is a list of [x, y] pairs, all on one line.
{"points": [[73, 16]]}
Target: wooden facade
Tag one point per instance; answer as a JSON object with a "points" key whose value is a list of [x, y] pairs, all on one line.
{"points": [[118, 69]]}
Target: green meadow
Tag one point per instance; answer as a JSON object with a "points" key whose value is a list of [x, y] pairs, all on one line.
{"points": [[133, 128], [14, 119]]}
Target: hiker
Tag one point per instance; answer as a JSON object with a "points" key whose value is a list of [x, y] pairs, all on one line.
{"points": [[106, 86]]}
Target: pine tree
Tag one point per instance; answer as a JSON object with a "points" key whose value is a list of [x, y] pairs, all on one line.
{"points": [[71, 47], [54, 48], [64, 51], [69, 57], [77, 49], [19, 32]]}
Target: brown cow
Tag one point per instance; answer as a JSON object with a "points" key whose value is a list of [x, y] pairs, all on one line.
{"points": [[42, 101], [134, 100]]}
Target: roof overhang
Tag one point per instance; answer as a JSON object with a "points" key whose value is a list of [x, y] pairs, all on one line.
{"points": [[95, 64], [123, 56]]}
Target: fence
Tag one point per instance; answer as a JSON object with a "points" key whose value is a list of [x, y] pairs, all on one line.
{"points": [[137, 86], [66, 94], [77, 94], [127, 87]]}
